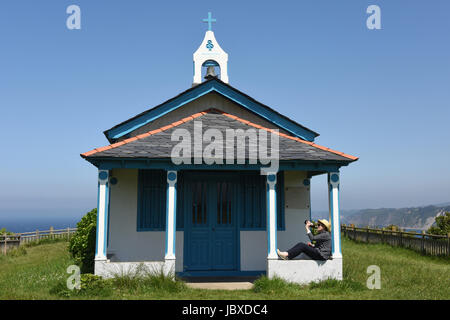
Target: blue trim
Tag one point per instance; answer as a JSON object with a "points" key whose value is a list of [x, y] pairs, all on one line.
{"points": [[167, 164], [105, 235], [330, 178], [98, 206], [171, 178], [175, 219], [201, 90], [109, 210], [167, 216], [267, 218], [330, 190], [339, 218], [276, 215], [220, 273]]}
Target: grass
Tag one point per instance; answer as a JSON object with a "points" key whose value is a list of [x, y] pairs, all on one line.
{"points": [[39, 272]]}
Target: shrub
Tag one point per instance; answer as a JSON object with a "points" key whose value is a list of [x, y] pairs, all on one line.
{"points": [[82, 243], [3, 231], [442, 225]]}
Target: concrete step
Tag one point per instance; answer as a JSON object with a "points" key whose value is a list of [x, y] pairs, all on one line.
{"points": [[220, 285]]}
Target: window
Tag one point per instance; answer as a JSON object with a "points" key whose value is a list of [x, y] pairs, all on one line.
{"points": [[254, 201], [151, 200]]}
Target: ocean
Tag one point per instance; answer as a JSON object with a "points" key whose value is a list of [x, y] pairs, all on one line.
{"points": [[28, 224]]}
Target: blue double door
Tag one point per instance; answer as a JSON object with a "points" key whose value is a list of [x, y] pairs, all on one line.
{"points": [[210, 212]]}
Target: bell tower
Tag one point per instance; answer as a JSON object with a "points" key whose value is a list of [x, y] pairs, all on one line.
{"points": [[210, 55]]}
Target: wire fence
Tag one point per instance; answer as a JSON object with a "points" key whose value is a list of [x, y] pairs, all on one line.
{"points": [[426, 244]]}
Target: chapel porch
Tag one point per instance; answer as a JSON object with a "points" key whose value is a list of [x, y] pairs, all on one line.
{"points": [[255, 248]]}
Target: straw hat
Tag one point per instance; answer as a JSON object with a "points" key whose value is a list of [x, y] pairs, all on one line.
{"points": [[326, 224]]}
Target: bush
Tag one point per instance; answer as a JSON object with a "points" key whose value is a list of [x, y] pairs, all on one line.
{"points": [[442, 225], [82, 243], [3, 231]]}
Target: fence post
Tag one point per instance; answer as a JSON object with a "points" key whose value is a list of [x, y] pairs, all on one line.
{"points": [[37, 235], [68, 233], [401, 237], [367, 234], [423, 242], [51, 232], [4, 247], [448, 244]]}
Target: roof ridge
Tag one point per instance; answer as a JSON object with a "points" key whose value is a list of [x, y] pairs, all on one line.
{"points": [[199, 114]]}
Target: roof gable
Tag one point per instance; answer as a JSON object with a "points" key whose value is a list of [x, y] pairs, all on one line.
{"points": [[211, 85], [157, 144]]}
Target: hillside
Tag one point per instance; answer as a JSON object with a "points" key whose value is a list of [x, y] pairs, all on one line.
{"points": [[410, 218]]}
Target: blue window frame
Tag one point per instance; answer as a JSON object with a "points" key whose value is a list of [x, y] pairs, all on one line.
{"points": [[151, 215], [253, 201]]}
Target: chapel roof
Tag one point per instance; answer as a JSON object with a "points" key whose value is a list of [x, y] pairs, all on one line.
{"points": [[157, 144]]}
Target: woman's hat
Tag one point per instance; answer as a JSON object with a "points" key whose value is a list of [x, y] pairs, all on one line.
{"points": [[325, 223]]}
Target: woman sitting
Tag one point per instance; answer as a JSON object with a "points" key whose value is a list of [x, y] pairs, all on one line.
{"points": [[322, 249]]}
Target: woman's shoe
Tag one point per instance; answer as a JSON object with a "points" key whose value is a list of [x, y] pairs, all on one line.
{"points": [[280, 255]]}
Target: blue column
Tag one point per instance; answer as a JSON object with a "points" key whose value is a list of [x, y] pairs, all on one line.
{"points": [[333, 198], [271, 216], [171, 215], [102, 215]]}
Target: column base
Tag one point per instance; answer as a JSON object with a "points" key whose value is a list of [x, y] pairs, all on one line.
{"points": [[337, 255], [305, 271]]}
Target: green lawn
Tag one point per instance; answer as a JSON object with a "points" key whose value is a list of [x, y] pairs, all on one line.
{"points": [[40, 273]]}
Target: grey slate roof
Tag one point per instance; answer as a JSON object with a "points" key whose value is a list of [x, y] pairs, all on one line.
{"points": [[159, 145]]}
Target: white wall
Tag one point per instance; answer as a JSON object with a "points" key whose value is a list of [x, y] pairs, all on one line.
{"points": [[253, 250], [129, 245], [254, 243], [124, 241], [297, 213]]}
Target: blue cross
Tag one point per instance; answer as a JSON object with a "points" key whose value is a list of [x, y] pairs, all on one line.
{"points": [[210, 21]]}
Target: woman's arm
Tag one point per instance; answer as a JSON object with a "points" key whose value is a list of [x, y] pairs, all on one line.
{"points": [[320, 236]]}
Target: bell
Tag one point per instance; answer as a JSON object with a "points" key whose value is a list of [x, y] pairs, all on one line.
{"points": [[210, 71]]}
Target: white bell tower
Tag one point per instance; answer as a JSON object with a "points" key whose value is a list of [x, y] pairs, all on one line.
{"points": [[210, 54]]}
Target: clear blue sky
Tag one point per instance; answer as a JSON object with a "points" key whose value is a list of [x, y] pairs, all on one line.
{"points": [[383, 95]]}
